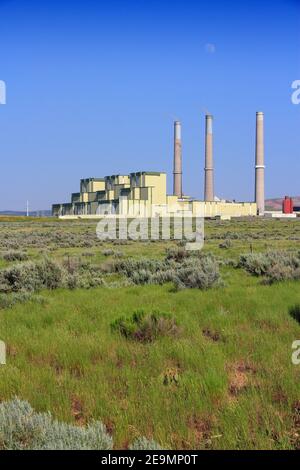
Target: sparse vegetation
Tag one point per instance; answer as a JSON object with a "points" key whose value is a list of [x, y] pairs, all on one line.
{"points": [[225, 380]]}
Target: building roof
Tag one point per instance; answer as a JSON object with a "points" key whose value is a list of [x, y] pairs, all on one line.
{"points": [[93, 179], [150, 173]]}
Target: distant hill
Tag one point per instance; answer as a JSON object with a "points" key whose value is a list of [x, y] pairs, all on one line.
{"points": [[41, 213], [276, 203]]}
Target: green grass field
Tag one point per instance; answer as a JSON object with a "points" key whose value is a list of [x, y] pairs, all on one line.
{"points": [[226, 382]]}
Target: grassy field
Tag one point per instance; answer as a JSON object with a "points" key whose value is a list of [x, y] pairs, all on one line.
{"points": [[225, 382]]}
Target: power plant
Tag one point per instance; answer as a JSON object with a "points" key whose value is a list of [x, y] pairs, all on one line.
{"points": [[260, 165], [144, 193], [177, 184], [209, 165]]}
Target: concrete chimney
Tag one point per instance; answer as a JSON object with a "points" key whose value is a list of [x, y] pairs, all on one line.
{"points": [[260, 165], [177, 185], [209, 166]]}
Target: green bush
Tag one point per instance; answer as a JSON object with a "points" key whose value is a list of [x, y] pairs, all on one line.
{"points": [[14, 256], [31, 276], [295, 312], [275, 266], [108, 252], [281, 272], [146, 327], [9, 300], [177, 254], [255, 263], [129, 266], [184, 270], [226, 244], [20, 277], [21, 428], [198, 274], [48, 274], [141, 443]]}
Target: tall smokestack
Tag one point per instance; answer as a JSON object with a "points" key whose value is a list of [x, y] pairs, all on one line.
{"points": [[177, 185], [209, 166], [260, 165]]}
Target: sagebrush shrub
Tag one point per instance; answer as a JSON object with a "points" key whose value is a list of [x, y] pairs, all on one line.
{"points": [[49, 274], [295, 312], [145, 327], [20, 277], [118, 254], [14, 256], [226, 244], [184, 270], [108, 252], [255, 263], [9, 300], [142, 443], [178, 254], [273, 265], [89, 254], [21, 428], [31, 276], [129, 266], [199, 274]]}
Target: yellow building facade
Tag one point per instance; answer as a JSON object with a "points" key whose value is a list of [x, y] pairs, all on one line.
{"points": [[141, 194]]}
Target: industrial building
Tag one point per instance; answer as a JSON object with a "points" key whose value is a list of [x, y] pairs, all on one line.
{"points": [[144, 193]]}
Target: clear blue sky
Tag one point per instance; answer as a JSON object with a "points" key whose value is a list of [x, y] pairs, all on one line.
{"points": [[93, 88]]}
